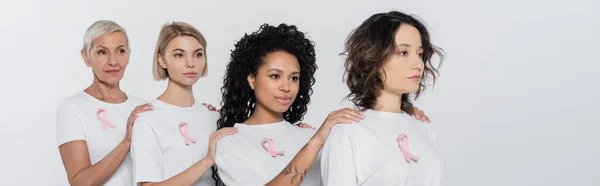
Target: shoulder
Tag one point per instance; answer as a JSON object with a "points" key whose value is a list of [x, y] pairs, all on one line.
{"points": [[73, 103], [227, 144], [75, 100], [303, 133], [144, 124], [349, 129], [65, 105], [350, 133]]}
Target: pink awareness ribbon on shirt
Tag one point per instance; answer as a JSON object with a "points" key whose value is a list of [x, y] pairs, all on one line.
{"points": [[183, 129], [271, 147], [403, 144], [102, 116]]}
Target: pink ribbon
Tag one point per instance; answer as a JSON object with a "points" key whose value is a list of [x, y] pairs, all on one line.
{"points": [[271, 147], [403, 144], [101, 114], [183, 129]]}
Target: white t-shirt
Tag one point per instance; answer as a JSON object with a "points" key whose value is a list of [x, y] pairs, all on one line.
{"points": [[368, 153], [159, 150], [83, 117], [242, 159]]}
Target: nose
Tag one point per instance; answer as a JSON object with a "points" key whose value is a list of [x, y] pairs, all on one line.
{"points": [[285, 86], [112, 60], [189, 62], [417, 63]]}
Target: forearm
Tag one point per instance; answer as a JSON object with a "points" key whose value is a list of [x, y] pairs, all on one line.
{"points": [[189, 176], [294, 172], [100, 172]]}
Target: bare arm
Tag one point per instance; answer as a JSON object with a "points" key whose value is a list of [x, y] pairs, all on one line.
{"points": [[190, 175], [80, 171], [76, 157], [294, 172]]}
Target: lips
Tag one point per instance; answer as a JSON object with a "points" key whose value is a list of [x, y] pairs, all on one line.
{"points": [[114, 71], [283, 99], [415, 77], [190, 74]]}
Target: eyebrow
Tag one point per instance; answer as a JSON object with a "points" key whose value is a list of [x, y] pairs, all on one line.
{"points": [[101, 46], [406, 45], [179, 49], [182, 50], [281, 71], [274, 69]]}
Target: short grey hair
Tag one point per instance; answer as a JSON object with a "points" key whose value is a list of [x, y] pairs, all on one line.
{"points": [[98, 29]]}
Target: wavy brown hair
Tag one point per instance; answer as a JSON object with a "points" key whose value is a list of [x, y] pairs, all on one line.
{"points": [[370, 45]]}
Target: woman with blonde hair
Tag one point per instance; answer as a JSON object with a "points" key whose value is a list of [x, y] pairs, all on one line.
{"points": [[94, 126], [174, 144]]}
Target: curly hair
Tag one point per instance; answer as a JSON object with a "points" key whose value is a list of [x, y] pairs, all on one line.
{"points": [[238, 99], [370, 45]]}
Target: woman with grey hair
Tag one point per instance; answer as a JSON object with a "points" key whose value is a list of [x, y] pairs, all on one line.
{"points": [[94, 125]]}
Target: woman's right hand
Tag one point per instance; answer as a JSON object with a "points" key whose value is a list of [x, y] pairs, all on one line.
{"points": [[346, 115], [132, 117], [214, 137]]}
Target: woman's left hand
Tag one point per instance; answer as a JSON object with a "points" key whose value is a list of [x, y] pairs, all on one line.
{"points": [[306, 126], [420, 115]]}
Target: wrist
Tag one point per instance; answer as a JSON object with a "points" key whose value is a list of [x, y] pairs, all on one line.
{"points": [[207, 161], [126, 143]]}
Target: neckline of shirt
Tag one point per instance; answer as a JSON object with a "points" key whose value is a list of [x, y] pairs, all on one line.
{"points": [[281, 125]]}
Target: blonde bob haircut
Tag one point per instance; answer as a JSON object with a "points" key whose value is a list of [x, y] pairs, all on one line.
{"points": [[167, 33]]}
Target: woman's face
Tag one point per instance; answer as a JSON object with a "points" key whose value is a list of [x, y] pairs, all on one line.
{"points": [[108, 57], [276, 82], [184, 60], [401, 72]]}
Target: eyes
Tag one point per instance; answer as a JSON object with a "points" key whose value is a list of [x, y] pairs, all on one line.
{"points": [[277, 76], [104, 52], [405, 53], [181, 55]]}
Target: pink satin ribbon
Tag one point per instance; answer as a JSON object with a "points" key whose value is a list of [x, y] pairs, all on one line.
{"points": [[271, 147], [403, 144], [102, 116], [183, 129]]}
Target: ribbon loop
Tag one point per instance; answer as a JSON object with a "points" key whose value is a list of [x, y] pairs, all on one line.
{"points": [[183, 129], [102, 116], [403, 144], [271, 147]]}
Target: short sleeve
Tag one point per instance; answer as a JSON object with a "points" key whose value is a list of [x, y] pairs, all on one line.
{"points": [[337, 160], [234, 168], [145, 153], [69, 126]]}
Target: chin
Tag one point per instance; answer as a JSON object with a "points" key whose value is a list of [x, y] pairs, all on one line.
{"points": [[187, 82], [111, 81], [281, 108]]}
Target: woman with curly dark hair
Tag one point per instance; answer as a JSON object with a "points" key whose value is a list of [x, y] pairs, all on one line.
{"points": [[388, 62], [266, 89]]}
